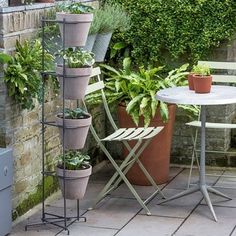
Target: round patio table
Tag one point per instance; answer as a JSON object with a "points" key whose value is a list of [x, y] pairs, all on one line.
{"points": [[219, 95]]}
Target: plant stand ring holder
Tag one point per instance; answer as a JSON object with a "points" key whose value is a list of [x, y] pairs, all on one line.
{"points": [[220, 95]]}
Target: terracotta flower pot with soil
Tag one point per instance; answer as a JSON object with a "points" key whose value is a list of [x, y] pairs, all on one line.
{"points": [[76, 28], [190, 81], [76, 81], [76, 131], [202, 84], [75, 183]]}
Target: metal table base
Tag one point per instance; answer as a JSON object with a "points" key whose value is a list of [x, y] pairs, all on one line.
{"points": [[202, 186]]}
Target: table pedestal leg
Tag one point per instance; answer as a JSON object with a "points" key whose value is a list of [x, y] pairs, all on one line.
{"points": [[202, 177]]}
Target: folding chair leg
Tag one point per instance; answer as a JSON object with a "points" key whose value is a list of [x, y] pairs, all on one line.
{"points": [[123, 177], [148, 176]]}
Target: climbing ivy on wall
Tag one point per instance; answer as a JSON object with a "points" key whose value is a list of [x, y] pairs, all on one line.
{"points": [[162, 29]]}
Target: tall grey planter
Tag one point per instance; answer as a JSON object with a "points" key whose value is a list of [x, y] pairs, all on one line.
{"points": [[6, 178], [101, 45], [90, 42]]}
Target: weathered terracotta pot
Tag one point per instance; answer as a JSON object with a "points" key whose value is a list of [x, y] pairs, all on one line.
{"points": [[202, 84], [76, 81], [156, 156], [75, 183], [75, 34], [190, 81], [76, 131]]}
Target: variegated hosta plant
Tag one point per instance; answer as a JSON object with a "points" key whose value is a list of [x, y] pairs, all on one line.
{"points": [[138, 89], [77, 58]]}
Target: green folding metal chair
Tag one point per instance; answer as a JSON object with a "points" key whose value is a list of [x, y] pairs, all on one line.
{"points": [[219, 78], [143, 136]]}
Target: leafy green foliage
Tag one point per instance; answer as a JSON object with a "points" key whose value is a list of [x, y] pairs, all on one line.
{"points": [[74, 160], [74, 8], [167, 30], [138, 89], [202, 70], [22, 75], [110, 17], [76, 57], [77, 113]]}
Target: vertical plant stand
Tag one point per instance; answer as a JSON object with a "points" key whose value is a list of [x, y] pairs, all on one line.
{"points": [[62, 221]]}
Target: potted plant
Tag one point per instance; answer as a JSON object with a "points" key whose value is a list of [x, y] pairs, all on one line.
{"points": [[76, 126], [134, 92], [78, 18], [75, 167], [202, 79], [110, 17], [78, 68], [93, 31], [190, 81]]}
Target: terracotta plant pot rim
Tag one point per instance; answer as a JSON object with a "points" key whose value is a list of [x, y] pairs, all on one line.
{"points": [[201, 76], [74, 123], [80, 18], [78, 72], [73, 174]]}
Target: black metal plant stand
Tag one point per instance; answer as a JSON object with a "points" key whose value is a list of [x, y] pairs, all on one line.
{"points": [[62, 221]]}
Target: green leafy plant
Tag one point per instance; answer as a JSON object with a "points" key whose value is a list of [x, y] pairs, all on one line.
{"points": [[74, 8], [137, 89], [74, 160], [22, 74], [164, 31], [111, 17], [77, 113], [201, 70], [77, 58]]}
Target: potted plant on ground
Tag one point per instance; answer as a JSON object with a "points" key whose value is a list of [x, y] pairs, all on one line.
{"points": [[77, 170], [78, 68], [76, 126], [110, 17], [135, 92], [78, 18], [202, 79]]}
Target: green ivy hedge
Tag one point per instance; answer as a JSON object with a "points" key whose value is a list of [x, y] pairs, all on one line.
{"points": [[171, 29]]}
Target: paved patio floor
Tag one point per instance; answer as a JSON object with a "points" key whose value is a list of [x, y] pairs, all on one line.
{"points": [[120, 214]]}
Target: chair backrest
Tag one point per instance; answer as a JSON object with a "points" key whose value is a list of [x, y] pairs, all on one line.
{"points": [[222, 77], [99, 85]]}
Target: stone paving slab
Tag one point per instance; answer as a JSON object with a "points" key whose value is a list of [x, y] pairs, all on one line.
{"points": [[120, 214], [150, 226], [200, 222], [181, 207], [114, 213]]}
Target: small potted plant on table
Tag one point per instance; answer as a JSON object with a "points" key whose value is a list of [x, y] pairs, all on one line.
{"points": [[75, 167], [76, 126], [78, 18], [78, 68], [202, 79]]}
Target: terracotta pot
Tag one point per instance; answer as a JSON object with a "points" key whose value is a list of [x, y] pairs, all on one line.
{"points": [[156, 156], [190, 81], [75, 183], [76, 81], [202, 84], [75, 34], [76, 131]]}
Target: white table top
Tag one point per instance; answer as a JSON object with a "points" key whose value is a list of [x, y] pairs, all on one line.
{"points": [[219, 95]]}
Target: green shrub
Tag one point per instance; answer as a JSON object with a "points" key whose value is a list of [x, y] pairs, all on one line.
{"points": [[165, 30]]}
